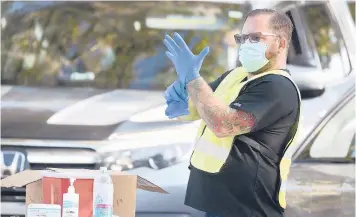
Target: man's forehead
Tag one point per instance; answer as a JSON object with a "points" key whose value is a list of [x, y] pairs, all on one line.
{"points": [[258, 23]]}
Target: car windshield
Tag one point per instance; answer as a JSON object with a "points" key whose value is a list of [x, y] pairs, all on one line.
{"points": [[112, 44]]}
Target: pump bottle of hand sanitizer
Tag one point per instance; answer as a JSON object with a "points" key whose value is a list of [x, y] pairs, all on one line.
{"points": [[70, 206]]}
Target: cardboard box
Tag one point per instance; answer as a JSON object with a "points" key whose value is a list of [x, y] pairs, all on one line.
{"points": [[48, 187]]}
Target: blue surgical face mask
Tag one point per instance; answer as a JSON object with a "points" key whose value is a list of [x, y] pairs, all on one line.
{"points": [[253, 56]]}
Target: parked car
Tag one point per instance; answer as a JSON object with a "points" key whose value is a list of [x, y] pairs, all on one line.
{"points": [[86, 78], [82, 82]]}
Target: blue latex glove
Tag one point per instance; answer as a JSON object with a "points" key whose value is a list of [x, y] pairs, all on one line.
{"points": [[176, 109], [176, 92], [186, 63], [177, 100]]}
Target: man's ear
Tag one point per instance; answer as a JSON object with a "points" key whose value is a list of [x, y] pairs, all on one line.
{"points": [[282, 44]]}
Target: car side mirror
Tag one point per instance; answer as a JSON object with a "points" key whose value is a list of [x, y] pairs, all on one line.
{"points": [[308, 79], [311, 93]]}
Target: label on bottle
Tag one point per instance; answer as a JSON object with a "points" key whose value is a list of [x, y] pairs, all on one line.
{"points": [[70, 209], [45, 210], [103, 200]]}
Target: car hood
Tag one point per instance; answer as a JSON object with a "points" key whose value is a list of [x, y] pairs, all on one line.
{"points": [[70, 113]]}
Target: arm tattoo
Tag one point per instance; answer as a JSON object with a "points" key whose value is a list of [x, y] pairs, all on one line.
{"points": [[219, 117]]}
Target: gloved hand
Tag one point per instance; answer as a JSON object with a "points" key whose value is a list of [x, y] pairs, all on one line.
{"points": [[186, 63], [177, 100], [176, 92], [176, 109]]}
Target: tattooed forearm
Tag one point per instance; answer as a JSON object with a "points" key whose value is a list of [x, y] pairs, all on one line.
{"points": [[219, 117]]}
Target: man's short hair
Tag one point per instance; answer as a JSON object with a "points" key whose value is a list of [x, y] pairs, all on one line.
{"points": [[279, 22]]}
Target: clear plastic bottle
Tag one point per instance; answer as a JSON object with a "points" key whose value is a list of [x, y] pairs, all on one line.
{"points": [[103, 194], [70, 206]]}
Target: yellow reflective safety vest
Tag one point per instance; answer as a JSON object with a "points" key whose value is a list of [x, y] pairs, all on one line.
{"points": [[210, 152]]}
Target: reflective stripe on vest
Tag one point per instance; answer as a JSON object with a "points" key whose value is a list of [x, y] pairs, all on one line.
{"points": [[210, 152]]}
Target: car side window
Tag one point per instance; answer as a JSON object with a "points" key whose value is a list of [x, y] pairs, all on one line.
{"points": [[335, 140], [328, 40], [352, 10], [294, 47]]}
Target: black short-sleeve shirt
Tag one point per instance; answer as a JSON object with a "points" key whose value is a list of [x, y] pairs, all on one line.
{"points": [[274, 102]]}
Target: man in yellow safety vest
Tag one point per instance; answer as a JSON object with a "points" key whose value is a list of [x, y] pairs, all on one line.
{"points": [[249, 120]]}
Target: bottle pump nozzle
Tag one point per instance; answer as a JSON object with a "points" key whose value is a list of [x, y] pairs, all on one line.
{"points": [[71, 188]]}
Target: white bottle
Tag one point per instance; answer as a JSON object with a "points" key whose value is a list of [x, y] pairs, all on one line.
{"points": [[103, 195], [70, 206]]}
